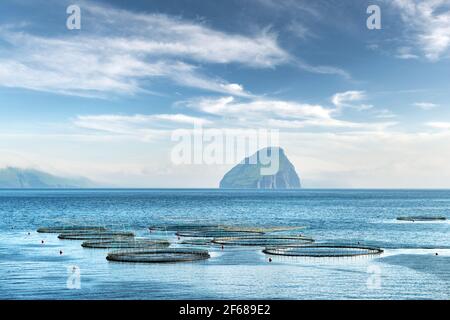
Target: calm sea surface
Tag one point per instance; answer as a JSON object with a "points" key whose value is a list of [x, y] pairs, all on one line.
{"points": [[408, 269]]}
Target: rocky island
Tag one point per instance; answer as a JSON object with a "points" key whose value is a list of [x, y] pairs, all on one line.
{"points": [[249, 174]]}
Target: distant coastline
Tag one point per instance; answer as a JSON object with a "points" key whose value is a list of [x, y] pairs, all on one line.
{"points": [[18, 178]]}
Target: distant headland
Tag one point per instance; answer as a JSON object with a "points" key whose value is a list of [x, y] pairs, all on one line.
{"points": [[16, 178]]}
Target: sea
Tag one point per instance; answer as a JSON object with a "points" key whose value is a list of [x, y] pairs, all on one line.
{"points": [[415, 263]]}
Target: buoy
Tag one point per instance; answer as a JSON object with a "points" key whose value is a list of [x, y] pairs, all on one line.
{"points": [[437, 253]]}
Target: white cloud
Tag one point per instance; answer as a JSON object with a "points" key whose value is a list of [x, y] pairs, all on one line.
{"points": [[319, 69], [429, 24], [439, 125], [228, 112], [159, 34], [299, 30], [128, 48], [124, 49], [140, 126], [234, 87], [426, 105], [370, 160], [228, 106], [278, 114], [347, 99], [406, 53], [331, 123], [384, 114], [180, 118], [292, 6]]}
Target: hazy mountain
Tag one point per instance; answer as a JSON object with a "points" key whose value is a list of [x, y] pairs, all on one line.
{"points": [[247, 174], [30, 178]]}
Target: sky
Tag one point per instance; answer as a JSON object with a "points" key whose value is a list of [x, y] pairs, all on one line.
{"points": [[354, 107]]}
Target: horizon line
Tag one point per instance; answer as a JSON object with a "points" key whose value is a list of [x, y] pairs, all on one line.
{"points": [[227, 189]]}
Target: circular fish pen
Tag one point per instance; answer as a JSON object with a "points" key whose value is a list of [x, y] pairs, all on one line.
{"points": [[197, 241], [169, 255], [323, 251], [125, 244], [216, 234], [70, 229], [264, 240], [110, 235], [262, 229], [185, 227], [421, 218]]}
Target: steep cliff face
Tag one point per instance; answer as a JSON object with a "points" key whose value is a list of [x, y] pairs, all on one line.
{"points": [[249, 174]]}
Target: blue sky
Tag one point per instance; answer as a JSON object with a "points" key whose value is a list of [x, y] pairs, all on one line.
{"points": [[355, 107]]}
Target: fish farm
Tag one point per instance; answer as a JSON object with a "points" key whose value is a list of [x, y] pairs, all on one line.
{"points": [[125, 244], [64, 229], [264, 240], [185, 227], [197, 241], [162, 247], [323, 251], [95, 235], [422, 218], [169, 255], [214, 227], [216, 234]]}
